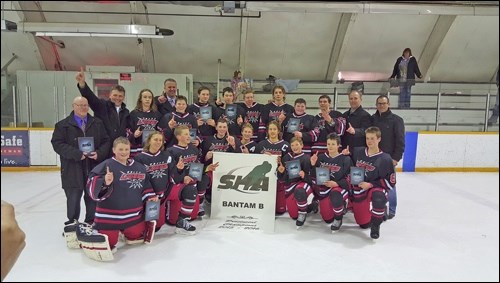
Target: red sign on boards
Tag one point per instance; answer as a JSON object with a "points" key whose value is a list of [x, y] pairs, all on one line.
{"points": [[125, 77]]}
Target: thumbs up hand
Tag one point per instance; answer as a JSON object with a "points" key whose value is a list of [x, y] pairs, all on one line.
{"points": [[346, 151], [314, 159], [108, 178], [351, 130], [172, 123]]}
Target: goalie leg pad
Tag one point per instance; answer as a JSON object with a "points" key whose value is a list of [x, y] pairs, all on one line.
{"points": [[70, 235], [94, 244]]}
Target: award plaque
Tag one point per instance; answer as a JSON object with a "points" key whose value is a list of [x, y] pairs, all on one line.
{"points": [[293, 169], [192, 134], [196, 171], [293, 125], [152, 211], [357, 175], [322, 175], [206, 113], [231, 111], [86, 145]]}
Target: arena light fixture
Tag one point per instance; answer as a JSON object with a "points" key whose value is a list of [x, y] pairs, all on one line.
{"points": [[94, 30]]}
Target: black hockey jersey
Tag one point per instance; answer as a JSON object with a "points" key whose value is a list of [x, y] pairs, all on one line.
{"points": [[339, 166], [308, 127], [190, 154], [379, 170], [145, 121], [182, 119], [161, 170], [213, 143], [232, 122], [121, 205], [205, 130], [280, 147], [251, 146], [252, 116], [338, 127], [271, 112]]}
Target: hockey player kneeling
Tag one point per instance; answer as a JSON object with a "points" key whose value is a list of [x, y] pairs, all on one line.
{"points": [[94, 245], [120, 186]]}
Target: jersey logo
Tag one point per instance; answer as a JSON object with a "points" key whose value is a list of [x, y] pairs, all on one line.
{"points": [[135, 179], [366, 165], [157, 170]]}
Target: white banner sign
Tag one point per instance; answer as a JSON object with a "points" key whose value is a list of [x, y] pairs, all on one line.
{"points": [[243, 192]]}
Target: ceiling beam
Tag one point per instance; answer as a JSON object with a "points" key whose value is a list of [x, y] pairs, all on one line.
{"points": [[432, 48], [42, 49], [243, 43], [340, 42]]}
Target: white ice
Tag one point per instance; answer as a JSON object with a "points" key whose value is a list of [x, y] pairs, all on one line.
{"points": [[446, 229]]}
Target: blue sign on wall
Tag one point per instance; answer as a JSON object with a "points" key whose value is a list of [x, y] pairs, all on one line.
{"points": [[15, 148]]}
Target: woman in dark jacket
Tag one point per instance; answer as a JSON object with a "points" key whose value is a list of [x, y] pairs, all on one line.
{"points": [[405, 69]]}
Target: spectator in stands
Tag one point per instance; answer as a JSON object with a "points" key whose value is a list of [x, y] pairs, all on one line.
{"points": [[404, 71], [494, 117], [238, 85], [393, 140]]}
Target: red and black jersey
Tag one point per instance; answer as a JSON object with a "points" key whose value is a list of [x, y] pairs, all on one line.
{"points": [[280, 147], [379, 170], [120, 205], [339, 166], [215, 144], [161, 169], [338, 126], [252, 116], [251, 146], [308, 127], [232, 122], [272, 112], [182, 119], [145, 121], [190, 154]]}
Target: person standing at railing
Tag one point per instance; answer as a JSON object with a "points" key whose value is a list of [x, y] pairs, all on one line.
{"points": [[392, 128], [494, 116], [238, 85], [404, 71]]}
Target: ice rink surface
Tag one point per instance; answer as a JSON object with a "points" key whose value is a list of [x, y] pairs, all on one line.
{"points": [[446, 229]]}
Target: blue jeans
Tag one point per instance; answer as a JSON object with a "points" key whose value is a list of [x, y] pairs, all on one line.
{"points": [[404, 96], [393, 201]]}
